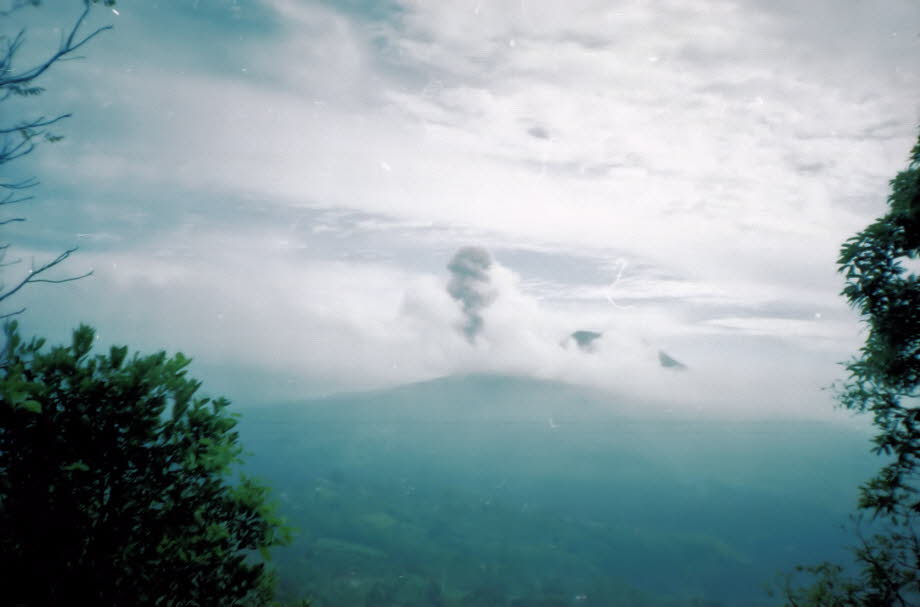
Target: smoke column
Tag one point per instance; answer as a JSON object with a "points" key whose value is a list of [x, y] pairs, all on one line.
{"points": [[470, 285]]}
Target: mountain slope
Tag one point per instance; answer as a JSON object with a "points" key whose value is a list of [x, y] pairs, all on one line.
{"points": [[485, 490]]}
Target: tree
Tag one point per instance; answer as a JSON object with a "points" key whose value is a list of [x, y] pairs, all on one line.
{"points": [[19, 138], [883, 380], [116, 485]]}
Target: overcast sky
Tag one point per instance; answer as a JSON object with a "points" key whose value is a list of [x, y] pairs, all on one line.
{"points": [[277, 187]]}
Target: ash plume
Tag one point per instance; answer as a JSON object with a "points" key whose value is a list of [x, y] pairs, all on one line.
{"points": [[471, 286]]}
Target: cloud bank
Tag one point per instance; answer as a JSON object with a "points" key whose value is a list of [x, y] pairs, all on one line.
{"points": [[263, 332], [672, 175]]}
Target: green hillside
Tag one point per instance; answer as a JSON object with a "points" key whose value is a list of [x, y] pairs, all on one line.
{"points": [[492, 490]]}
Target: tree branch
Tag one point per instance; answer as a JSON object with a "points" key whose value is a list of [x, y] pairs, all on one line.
{"points": [[33, 274], [34, 124], [10, 198], [31, 182], [9, 314], [67, 46]]}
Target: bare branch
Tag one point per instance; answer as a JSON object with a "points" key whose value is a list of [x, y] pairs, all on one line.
{"points": [[33, 275], [11, 151], [9, 314], [18, 139], [31, 182], [63, 280], [10, 198], [68, 46], [34, 124], [6, 62]]}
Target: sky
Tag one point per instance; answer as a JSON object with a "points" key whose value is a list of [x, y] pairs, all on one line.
{"points": [[310, 197]]}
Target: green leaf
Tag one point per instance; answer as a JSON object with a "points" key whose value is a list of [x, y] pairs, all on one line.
{"points": [[16, 396], [31, 405], [166, 490]]}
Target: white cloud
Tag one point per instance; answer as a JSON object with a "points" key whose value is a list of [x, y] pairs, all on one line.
{"points": [[712, 146], [266, 326], [760, 325]]}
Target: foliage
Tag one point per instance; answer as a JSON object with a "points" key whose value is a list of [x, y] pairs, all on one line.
{"points": [[883, 380], [19, 138], [116, 487]]}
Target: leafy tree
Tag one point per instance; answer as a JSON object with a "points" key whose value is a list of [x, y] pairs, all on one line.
{"points": [[116, 484], [883, 380], [19, 138]]}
